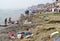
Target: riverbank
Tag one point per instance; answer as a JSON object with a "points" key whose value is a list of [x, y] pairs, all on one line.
{"points": [[40, 27]]}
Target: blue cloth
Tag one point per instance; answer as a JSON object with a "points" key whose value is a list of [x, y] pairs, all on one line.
{"points": [[57, 39], [27, 33]]}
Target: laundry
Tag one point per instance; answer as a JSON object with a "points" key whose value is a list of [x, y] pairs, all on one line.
{"points": [[19, 35], [54, 33], [12, 35], [26, 22]]}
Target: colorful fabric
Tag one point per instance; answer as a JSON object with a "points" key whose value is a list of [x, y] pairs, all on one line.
{"points": [[11, 33]]}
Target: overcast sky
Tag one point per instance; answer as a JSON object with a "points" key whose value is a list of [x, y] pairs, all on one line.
{"points": [[14, 4]]}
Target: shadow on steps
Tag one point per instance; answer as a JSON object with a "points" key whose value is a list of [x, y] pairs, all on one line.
{"points": [[54, 21]]}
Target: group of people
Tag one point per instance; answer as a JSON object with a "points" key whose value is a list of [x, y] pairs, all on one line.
{"points": [[21, 35], [8, 21]]}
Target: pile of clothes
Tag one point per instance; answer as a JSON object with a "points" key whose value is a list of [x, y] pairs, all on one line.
{"points": [[21, 35]]}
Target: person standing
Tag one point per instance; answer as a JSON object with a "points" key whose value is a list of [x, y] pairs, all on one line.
{"points": [[27, 12], [9, 19], [5, 21]]}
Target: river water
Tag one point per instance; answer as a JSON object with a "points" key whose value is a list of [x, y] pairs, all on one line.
{"points": [[14, 14]]}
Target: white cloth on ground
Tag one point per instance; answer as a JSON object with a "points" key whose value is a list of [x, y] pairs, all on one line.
{"points": [[19, 36], [52, 34]]}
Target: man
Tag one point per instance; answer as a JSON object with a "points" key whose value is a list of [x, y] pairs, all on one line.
{"points": [[10, 20], [27, 12], [5, 21]]}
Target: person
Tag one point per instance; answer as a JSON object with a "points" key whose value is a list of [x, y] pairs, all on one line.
{"points": [[10, 20], [22, 33], [27, 33], [17, 22], [5, 21], [27, 12], [12, 35]]}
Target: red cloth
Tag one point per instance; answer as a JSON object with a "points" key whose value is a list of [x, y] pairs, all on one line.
{"points": [[11, 33]]}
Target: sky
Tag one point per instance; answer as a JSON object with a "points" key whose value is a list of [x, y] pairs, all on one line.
{"points": [[18, 4]]}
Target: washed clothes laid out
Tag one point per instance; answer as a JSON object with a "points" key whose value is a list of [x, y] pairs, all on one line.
{"points": [[19, 36], [12, 35]]}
